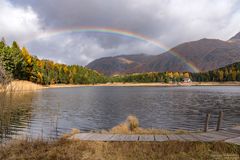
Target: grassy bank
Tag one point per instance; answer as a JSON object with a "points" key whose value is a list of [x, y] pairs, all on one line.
{"points": [[77, 150]]}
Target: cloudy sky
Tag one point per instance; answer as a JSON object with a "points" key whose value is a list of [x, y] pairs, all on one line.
{"points": [[32, 22]]}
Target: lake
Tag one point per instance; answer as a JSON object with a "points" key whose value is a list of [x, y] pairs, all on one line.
{"points": [[51, 112]]}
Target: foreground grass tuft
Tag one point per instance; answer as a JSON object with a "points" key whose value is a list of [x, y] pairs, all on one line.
{"points": [[77, 150], [133, 122], [131, 126]]}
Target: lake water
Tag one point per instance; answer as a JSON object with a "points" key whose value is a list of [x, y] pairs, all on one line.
{"points": [[51, 112]]}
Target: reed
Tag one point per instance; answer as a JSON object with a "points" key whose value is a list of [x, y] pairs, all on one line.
{"points": [[15, 108], [18, 86]]}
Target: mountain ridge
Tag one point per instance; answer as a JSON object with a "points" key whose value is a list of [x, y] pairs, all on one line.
{"points": [[204, 54]]}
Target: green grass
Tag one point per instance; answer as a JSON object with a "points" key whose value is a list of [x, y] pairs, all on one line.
{"points": [[76, 150]]}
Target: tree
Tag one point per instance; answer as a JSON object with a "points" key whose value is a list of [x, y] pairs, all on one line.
{"points": [[238, 76], [4, 76], [234, 75], [220, 75], [186, 75], [2, 43]]}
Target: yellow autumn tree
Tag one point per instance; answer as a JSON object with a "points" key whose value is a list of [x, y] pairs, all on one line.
{"points": [[234, 75], [220, 75], [27, 57], [186, 75]]}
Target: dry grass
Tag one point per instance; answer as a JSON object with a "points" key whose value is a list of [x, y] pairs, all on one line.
{"points": [[83, 150], [16, 86], [73, 132], [133, 123], [131, 126]]}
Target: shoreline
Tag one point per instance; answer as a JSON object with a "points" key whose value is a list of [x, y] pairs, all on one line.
{"points": [[29, 86], [146, 84]]}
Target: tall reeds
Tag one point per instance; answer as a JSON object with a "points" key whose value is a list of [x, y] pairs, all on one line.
{"points": [[17, 85]]}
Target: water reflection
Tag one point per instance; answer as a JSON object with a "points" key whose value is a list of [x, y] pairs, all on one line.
{"points": [[91, 108], [15, 113], [51, 112]]}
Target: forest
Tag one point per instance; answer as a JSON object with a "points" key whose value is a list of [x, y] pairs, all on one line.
{"points": [[20, 64], [227, 73]]}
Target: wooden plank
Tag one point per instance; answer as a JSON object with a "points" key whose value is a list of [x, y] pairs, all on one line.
{"points": [[174, 137], [210, 136], [161, 138], [208, 115], [236, 128], [127, 138], [220, 118], [146, 138], [132, 138], [214, 137], [81, 136], [100, 137], [227, 134], [234, 140], [202, 138], [117, 137], [188, 137]]}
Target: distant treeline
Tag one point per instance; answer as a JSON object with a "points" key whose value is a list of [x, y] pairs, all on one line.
{"points": [[228, 73], [20, 64], [149, 77]]}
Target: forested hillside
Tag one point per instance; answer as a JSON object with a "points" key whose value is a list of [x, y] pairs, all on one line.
{"points": [[20, 64], [228, 73]]}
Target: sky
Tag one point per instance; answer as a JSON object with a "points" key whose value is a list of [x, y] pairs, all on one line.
{"points": [[50, 28]]}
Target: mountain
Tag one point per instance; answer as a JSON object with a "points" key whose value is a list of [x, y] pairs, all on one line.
{"points": [[235, 39], [120, 64], [204, 54]]}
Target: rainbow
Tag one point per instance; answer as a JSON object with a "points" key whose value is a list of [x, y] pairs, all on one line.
{"points": [[119, 32]]}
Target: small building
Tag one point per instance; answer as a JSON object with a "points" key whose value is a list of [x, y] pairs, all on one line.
{"points": [[187, 80]]}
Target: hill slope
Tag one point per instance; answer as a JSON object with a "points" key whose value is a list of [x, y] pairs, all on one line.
{"points": [[120, 64], [205, 54]]}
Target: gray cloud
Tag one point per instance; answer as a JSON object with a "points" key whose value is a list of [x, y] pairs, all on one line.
{"points": [[64, 49], [169, 21]]}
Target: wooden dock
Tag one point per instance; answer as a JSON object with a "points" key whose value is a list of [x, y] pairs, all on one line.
{"points": [[231, 135]]}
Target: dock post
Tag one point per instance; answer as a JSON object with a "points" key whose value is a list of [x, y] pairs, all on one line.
{"points": [[206, 122], [220, 117]]}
